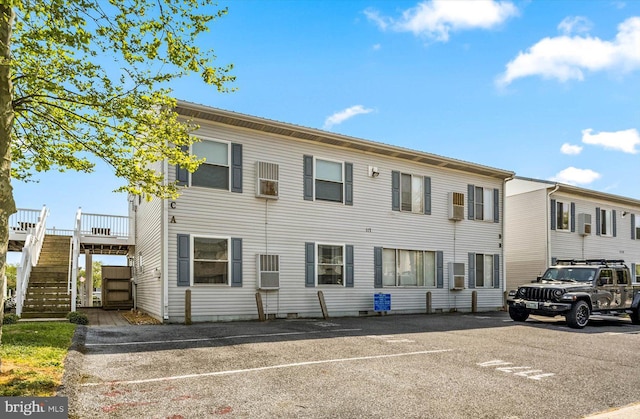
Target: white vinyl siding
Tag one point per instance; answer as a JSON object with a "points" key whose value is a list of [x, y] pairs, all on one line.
{"points": [[530, 243], [284, 226]]}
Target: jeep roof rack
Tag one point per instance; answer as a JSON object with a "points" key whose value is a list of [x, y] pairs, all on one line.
{"points": [[605, 262]]}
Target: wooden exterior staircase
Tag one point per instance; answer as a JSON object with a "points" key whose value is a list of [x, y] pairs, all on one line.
{"points": [[47, 295]]}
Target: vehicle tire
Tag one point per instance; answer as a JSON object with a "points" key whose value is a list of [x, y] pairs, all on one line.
{"points": [[578, 316], [635, 316], [518, 314]]}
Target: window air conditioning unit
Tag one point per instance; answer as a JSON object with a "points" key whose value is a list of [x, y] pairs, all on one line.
{"points": [[456, 276], [268, 271], [456, 206], [267, 180], [584, 224]]}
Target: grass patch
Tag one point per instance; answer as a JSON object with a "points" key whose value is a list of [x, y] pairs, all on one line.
{"points": [[33, 357]]}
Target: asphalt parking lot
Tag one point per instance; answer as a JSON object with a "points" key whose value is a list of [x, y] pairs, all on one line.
{"points": [[415, 366]]}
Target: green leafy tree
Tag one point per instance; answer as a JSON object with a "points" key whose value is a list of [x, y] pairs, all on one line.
{"points": [[96, 273], [11, 272], [82, 80]]}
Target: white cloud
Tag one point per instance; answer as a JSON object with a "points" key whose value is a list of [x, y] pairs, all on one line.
{"points": [[625, 141], [376, 47], [573, 176], [436, 18], [341, 116], [567, 57], [570, 149], [574, 24]]}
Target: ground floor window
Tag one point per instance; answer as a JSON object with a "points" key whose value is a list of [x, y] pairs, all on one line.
{"points": [[484, 271], [408, 268], [210, 260], [330, 264]]}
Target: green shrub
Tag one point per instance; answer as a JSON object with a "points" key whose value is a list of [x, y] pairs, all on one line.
{"points": [[78, 318], [10, 319]]}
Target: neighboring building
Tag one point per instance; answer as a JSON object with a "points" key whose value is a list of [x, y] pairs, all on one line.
{"points": [[547, 221], [288, 211]]}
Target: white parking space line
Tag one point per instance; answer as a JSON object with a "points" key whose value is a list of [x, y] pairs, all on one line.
{"points": [[258, 335], [391, 339], [270, 367]]}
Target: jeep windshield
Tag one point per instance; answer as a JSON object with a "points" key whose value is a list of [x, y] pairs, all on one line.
{"points": [[569, 274]]}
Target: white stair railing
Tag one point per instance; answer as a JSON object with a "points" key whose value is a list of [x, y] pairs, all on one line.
{"points": [[30, 256], [74, 256]]}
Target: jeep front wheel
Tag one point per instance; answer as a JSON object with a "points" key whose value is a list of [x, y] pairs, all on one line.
{"points": [[635, 316], [578, 316], [518, 314]]}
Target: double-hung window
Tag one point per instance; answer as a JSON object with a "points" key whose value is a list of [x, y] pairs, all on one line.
{"points": [[214, 171], [563, 216], [408, 268], [330, 264], [210, 260], [635, 227], [484, 271], [483, 203], [329, 180], [605, 222], [410, 193]]}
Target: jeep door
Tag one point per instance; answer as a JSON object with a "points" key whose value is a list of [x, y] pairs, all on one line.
{"points": [[603, 297], [624, 288]]}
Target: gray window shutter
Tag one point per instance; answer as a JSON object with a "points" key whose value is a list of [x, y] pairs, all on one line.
{"points": [[573, 217], [182, 175], [348, 261], [348, 183], [472, 270], [310, 265], [613, 222], [439, 269], [633, 273], [377, 267], [597, 221], [236, 262], [395, 191], [236, 168], [184, 260], [496, 271], [553, 214], [633, 227], [496, 205], [308, 177], [470, 193], [427, 195]]}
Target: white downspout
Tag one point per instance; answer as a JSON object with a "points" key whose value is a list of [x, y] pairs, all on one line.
{"points": [[548, 224], [164, 228]]}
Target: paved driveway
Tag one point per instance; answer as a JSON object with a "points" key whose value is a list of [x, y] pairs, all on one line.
{"points": [[437, 366]]}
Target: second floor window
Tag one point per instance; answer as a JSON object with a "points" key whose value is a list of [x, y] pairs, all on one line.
{"points": [[606, 228], [329, 180], [563, 214], [484, 203], [214, 171]]}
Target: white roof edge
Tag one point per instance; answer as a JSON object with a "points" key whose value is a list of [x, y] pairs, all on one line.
{"points": [[301, 132]]}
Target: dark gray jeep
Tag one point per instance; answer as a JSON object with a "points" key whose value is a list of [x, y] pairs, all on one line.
{"points": [[576, 289]]}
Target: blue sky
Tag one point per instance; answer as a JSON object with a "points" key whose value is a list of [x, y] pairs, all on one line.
{"points": [[547, 89]]}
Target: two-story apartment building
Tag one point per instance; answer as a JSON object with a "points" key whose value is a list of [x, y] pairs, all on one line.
{"points": [[547, 221], [288, 211]]}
